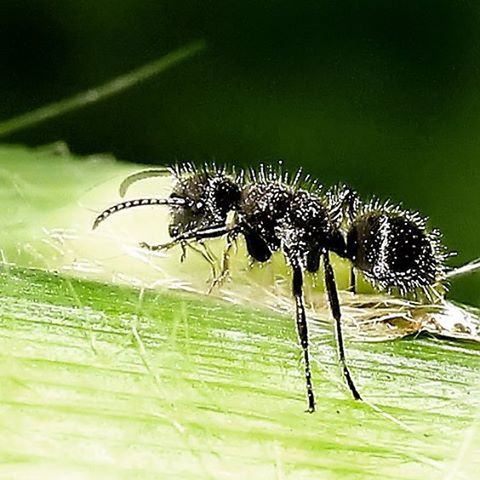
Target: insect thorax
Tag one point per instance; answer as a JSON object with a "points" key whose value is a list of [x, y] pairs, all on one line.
{"points": [[293, 220]]}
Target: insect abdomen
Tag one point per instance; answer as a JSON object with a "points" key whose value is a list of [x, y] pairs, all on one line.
{"points": [[393, 252]]}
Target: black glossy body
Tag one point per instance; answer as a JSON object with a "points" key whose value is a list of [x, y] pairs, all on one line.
{"points": [[392, 252], [391, 246], [271, 216]]}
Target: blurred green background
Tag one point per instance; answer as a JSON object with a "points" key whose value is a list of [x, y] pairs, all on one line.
{"points": [[382, 95]]}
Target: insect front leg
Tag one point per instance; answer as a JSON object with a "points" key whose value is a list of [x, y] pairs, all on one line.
{"points": [[206, 254], [225, 268], [196, 234], [166, 246], [302, 330], [331, 288]]}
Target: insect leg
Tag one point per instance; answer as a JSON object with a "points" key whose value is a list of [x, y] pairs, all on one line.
{"points": [[313, 260], [206, 254], [335, 309], [257, 247], [224, 272], [196, 234], [353, 280], [297, 288]]}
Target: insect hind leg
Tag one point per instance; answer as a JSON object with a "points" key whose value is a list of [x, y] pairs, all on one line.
{"points": [[335, 309]]}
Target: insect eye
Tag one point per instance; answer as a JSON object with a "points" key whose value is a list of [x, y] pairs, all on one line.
{"points": [[174, 230]]}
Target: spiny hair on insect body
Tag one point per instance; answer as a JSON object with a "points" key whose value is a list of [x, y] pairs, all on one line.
{"points": [[274, 211]]}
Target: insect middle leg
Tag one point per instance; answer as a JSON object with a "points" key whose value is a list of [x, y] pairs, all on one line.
{"points": [[297, 287]]}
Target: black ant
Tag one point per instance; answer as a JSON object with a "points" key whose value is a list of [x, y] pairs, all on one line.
{"points": [[389, 245]]}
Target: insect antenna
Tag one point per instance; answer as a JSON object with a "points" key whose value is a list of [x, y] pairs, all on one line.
{"points": [[135, 177], [140, 202]]}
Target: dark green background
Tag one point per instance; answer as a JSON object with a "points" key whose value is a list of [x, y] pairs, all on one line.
{"points": [[383, 95]]}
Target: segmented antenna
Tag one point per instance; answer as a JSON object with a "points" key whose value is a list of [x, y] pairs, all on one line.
{"points": [[135, 177], [140, 202]]}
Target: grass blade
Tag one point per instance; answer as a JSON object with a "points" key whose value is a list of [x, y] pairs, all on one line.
{"points": [[97, 94]]}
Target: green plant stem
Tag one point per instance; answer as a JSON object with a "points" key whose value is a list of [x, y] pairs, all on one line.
{"points": [[94, 95]]}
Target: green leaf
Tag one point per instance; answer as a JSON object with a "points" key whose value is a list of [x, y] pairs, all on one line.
{"points": [[104, 376]]}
